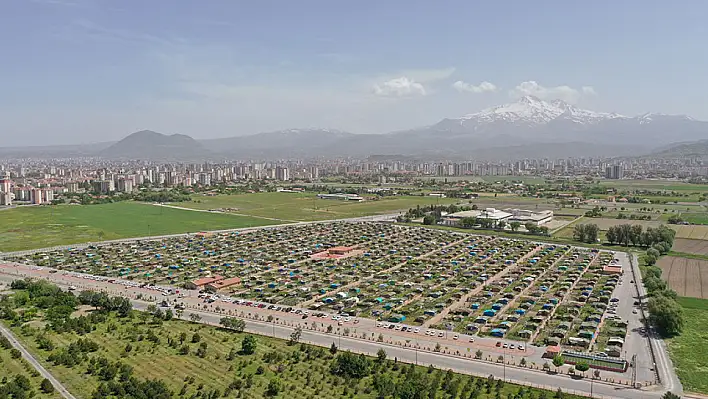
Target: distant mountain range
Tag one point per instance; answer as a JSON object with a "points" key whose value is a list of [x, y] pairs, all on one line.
{"points": [[527, 128]]}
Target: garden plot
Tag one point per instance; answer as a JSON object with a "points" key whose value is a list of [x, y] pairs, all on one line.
{"points": [[405, 276], [498, 296], [503, 268], [576, 321], [545, 294], [178, 260]]}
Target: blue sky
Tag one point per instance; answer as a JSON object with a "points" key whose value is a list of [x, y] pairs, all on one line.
{"points": [[78, 71]]}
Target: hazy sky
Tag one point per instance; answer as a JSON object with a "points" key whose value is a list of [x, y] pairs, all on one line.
{"points": [[74, 71]]}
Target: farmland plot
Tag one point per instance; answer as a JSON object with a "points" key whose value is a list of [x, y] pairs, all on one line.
{"points": [[688, 277], [689, 246], [694, 232]]}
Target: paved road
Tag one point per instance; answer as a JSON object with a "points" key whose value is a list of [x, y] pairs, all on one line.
{"points": [[664, 366], [28, 356], [457, 364]]}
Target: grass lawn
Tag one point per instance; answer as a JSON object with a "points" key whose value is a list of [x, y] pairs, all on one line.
{"points": [[655, 185], [302, 375], [45, 226], [9, 368], [695, 218], [689, 351], [306, 206]]}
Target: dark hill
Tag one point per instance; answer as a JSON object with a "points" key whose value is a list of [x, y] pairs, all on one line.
{"points": [[147, 144]]}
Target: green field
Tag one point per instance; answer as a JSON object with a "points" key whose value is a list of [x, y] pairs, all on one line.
{"points": [[10, 368], [654, 185], [306, 206], [45, 226], [194, 360], [695, 218], [689, 351]]}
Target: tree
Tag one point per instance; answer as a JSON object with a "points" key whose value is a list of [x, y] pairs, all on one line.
{"points": [[333, 348], [15, 353], [514, 226], [582, 366], [429, 220], [194, 318], [579, 232], [168, 315], [273, 387], [46, 386], [478, 354], [347, 364], [558, 361], [196, 338], [182, 337], [295, 336], [381, 355], [501, 224], [666, 314], [670, 395], [179, 313], [233, 323], [248, 345]]}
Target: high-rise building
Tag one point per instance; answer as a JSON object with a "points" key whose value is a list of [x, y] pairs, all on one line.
{"points": [[282, 173], [614, 172], [5, 186], [125, 185]]}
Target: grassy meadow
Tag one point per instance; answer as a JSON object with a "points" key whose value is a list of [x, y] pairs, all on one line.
{"points": [[306, 206], [44, 226], [303, 371], [689, 350]]}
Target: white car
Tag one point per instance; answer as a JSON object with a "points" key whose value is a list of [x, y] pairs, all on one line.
{"points": [[471, 339], [417, 330], [456, 336], [441, 334]]}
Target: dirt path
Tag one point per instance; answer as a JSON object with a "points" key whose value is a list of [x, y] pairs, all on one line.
{"points": [[225, 213]]}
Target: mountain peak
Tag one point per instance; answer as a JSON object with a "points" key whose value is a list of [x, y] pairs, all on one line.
{"points": [[533, 111]]}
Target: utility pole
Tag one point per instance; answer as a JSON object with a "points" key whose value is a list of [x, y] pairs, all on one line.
{"points": [[504, 362], [634, 370]]}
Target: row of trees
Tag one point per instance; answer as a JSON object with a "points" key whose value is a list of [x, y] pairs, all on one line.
{"points": [[588, 233], [664, 312], [660, 238]]}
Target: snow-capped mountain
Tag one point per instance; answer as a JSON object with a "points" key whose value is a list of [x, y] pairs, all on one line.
{"points": [[531, 111]]}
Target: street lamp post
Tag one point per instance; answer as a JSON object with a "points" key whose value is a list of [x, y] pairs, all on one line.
{"points": [[504, 362]]}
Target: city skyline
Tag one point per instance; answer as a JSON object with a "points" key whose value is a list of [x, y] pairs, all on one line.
{"points": [[90, 73]]}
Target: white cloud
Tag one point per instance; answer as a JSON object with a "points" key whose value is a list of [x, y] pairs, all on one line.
{"points": [[589, 90], [399, 87], [484, 87], [565, 93]]}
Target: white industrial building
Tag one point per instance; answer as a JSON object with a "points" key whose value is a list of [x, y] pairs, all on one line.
{"points": [[508, 215]]}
